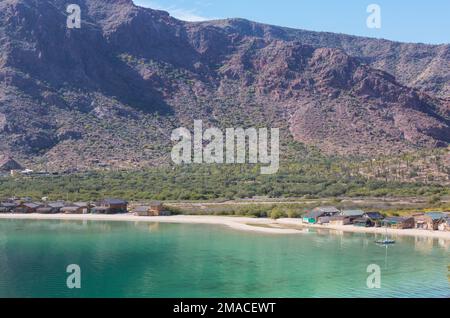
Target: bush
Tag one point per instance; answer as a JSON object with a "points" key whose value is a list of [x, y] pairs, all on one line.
{"points": [[277, 213]]}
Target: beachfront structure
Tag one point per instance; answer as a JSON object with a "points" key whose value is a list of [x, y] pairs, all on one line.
{"points": [[396, 222], [111, 206], [320, 215], [50, 208], [76, 208], [352, 214], [27, 207], [152, 209], [444, 224], [6, 207], [84, 206], [428, 221], [339, 220], [363, 222], [376, 218]]}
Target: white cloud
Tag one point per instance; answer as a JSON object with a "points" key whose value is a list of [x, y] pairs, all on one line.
{"points": [[190, 15]]}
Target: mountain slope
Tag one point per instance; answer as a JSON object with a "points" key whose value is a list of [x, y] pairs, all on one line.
{"points": [[111, 92]]}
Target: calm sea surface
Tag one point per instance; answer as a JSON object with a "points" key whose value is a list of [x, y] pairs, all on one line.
{"points": [[120, 259]]}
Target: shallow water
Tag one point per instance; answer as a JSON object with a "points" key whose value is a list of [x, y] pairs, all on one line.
{"points": [[131, 259]]}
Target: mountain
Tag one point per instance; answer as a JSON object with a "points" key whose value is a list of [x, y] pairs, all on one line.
{"points": [[111, 92]]}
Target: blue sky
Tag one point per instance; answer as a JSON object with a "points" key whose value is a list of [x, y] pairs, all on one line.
{"points": [[426, 21]]}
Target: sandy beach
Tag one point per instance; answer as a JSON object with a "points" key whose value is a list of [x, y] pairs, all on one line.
{"points": [[269, 226]]}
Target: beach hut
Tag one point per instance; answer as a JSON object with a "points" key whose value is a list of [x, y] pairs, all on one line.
{"points": [[76, 208], [56, 206], [376, 218], [111, 206], [50, 208], [72, 210], [84, 206], [428, 221], [444, 224], [396, 222], [363, 222], [153, 209], [320, 215], [353, 214], [339, 220], [6, 207], [27, 207], [312, 217]]}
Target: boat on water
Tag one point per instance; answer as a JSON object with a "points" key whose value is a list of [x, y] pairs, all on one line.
{"points": [[386, 240]]}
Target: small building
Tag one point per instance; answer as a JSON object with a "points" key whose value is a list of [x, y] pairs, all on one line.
{"points": [[396, 222], [84, 206], [444, 224], [428, 221], [111, 206], [353, 214], [27, 207], [376, 218], [73, 209], [363, 222], [153, 209], [322, 213], [56, 206], [50, 208], [6, 207], [339, 220]]}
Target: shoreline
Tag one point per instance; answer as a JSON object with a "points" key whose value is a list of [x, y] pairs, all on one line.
{"points": [[262, 225]]}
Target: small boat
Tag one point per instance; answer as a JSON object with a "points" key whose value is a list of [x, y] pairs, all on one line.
{"points": [[386, 241]]}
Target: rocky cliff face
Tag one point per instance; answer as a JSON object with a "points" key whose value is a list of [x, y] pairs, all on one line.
{"points": [[112, 91]]}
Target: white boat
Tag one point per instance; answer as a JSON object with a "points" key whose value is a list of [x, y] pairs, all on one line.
{"points": [[386, 240]]}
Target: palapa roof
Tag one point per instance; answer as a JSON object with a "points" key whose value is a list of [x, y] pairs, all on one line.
{"points": [[353, 212], [32, 205], [374, 215], [314, 214], [326, 209]]}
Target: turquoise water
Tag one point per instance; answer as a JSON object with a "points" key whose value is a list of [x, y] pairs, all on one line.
{"points": [[120, 259]]}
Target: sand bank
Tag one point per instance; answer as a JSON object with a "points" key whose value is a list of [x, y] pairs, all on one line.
{"points": [[238, 223]]}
